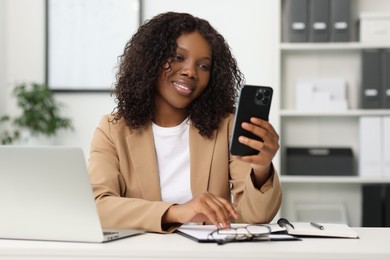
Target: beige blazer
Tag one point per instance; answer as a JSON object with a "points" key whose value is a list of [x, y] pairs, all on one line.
{"points": [[125, 179]]}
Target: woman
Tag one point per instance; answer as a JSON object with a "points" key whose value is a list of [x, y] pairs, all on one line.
{"points": [[162, 159]]}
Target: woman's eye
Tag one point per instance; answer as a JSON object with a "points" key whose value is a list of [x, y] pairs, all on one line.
{"points": [[204, 66], [178, 58]]}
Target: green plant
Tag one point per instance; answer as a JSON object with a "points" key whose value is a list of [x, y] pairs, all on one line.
{"points": [[7, 136], [40, 113]]}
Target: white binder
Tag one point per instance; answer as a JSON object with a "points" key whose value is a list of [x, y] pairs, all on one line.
{"points": [[386, 146], [370, 150]]}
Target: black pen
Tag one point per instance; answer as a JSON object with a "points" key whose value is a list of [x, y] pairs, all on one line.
{"points": [[316, 225]]}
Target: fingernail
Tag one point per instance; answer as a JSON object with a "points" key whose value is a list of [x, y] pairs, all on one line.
{"points": [[241, 139]]}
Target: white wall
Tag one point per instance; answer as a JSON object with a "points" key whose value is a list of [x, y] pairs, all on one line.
{"points": [[24, 45], [250, 27], [2, 56]]}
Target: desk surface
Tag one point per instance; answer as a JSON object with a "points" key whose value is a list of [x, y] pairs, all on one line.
{"points": [[373, 244]]}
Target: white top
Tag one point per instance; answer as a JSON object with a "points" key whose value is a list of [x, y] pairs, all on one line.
{"points": [[173, 159]]}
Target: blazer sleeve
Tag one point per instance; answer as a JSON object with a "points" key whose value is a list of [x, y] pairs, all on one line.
{"points": [[257, 205], [254, 205], [109, 187]]}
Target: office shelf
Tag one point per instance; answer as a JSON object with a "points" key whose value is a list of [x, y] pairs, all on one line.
{"points": [[325, 128], [347, 113], [332, 179], [286, 47]]}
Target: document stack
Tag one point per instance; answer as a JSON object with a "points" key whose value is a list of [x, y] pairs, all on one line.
{"points": [[317, 20], [321, 94]]}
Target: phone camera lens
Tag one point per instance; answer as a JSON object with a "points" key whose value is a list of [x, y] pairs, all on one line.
{"points": [[265, 101], [263, 96], [259, 96]]}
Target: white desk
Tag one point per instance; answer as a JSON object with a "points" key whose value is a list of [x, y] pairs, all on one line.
{"points": [[374, 243]]}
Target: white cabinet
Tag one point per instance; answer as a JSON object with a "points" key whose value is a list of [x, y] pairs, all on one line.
{"points": [[323, 128]]}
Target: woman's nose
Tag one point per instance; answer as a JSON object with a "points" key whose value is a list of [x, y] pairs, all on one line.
{"points": [[189, 70]]}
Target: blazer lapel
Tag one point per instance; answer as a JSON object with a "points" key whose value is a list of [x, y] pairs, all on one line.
{"points": [[143, 156], [201, 155]]}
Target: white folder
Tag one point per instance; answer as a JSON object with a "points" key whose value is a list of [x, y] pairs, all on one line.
{"points": [[386, 146], [370, 150]]}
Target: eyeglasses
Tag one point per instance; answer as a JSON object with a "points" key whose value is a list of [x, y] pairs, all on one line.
{"points": [[253, 232]]}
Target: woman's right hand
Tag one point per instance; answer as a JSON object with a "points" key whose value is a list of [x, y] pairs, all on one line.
{"points": [[205, 207]]}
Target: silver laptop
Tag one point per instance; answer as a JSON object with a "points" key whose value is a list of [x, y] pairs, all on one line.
{"points": [[45, 194]]}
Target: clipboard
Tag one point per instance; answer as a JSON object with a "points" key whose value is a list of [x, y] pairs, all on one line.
{"points": [[200, 234]]}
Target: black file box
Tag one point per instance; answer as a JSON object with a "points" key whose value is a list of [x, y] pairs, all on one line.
{"points": [[325, 161], [371, 79], [340, 20], [372, 195], [295, 13], [386, 78], [387, 206], [319, 20], [376, 205]]}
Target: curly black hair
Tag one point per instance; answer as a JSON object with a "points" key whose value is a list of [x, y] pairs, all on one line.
{"points": [[152, 46]]}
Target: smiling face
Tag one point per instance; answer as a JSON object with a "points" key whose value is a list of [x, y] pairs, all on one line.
{"points": [[187, 78]]}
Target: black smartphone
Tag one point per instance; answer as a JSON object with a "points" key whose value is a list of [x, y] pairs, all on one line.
{"points": [[253, 101]]}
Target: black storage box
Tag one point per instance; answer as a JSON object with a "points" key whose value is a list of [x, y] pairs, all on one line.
{"points": [[319, 161]]}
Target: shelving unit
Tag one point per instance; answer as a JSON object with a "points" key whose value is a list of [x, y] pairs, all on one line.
{"points": [[332, 180], [350, 113], [285, 46], [325, 128]]}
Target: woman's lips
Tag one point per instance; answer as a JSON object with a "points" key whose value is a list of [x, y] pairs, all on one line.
{"points": [[182, 88]]}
